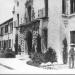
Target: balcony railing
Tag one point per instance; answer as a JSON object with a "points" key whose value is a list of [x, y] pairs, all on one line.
{"points": [[41, 13]]}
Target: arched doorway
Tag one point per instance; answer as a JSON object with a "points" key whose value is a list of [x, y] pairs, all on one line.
{"points": [[29, 41]]}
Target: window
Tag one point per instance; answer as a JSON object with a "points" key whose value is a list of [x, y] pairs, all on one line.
{"points": [[72, 6], [0, 44], [14, 25], [18, 19], [46, 8], [9, 44], [72, 34], [17, 3], [29, 13], [2, 31], [11, 27], [5, 45], [63, 6], [6, 29]]}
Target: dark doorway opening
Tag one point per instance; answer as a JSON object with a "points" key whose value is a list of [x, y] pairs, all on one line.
{"points": [[16, 44], [29, 42], [38, 43]]}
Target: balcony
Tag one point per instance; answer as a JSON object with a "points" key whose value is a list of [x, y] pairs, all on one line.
{"points": [[41, 13]]}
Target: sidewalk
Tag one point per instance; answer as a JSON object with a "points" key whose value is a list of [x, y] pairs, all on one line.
{"points": [[19, 66]]}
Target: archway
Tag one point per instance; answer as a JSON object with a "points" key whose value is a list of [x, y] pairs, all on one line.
{"points": [[29, 41]]}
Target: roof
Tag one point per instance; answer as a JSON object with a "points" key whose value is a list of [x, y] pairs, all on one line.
{"points": [[11, 19]]}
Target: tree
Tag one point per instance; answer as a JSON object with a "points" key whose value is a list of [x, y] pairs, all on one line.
{"points": [[50, 55]]}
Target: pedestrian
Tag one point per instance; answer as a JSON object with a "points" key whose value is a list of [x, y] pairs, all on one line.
{"points": [[71, 57]]}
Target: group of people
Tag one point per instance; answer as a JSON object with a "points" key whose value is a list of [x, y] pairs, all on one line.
{"points": [[71, 57]]}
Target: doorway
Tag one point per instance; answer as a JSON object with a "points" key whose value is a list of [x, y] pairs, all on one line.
{"points": [[39, 43], [29, 42]]}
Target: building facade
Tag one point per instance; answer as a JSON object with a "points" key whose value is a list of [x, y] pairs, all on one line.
{"points": [[41, 24], [29, 17], [6, 35]]}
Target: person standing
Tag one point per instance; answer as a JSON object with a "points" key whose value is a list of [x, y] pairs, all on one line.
{"points": [[71, 57]]}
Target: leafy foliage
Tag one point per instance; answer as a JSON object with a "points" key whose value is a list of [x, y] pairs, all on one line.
{"points": [[9, 53], [50, 56]]}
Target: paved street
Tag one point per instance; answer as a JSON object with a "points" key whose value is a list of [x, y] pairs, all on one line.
{"points": [[19, 66]]}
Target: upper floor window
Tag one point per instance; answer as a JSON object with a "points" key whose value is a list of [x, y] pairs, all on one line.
{"points": [[18, 19], [72, 6], [11, 26], [6, 29], [17, 3], [46, 8], [29, 13], [29, 8], [63, 6]]}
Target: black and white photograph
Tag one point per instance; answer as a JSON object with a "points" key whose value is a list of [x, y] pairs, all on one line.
{"points": [[37, 36]]}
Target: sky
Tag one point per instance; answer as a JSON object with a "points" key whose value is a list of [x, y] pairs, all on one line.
{"points": [[6, 7]]}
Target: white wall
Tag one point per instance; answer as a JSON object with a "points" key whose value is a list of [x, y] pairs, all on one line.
{"points": [[20, 10], [56, 27]]}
